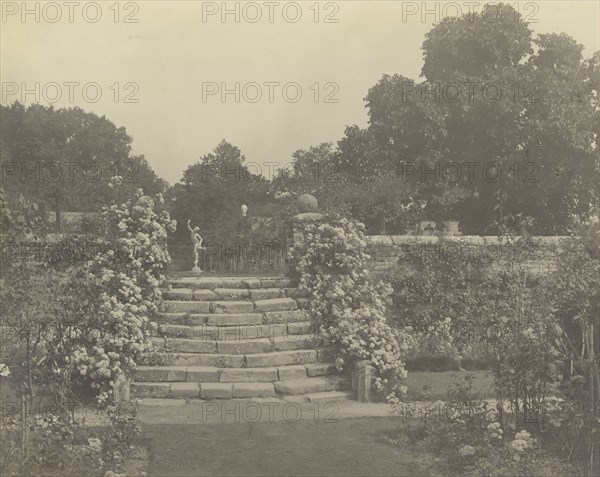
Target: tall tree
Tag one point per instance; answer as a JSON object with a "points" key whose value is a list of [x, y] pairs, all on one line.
{"points": [[212, 191], [65, 158], [518, 114]]}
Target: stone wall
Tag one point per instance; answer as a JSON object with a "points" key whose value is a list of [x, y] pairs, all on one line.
{"points": [[387, 250]]}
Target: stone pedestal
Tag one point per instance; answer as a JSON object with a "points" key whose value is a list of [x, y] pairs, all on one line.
{"points": [[361, 380], [300, 221], [121, 391]]}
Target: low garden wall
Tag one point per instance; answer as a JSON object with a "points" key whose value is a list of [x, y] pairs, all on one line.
{"points": [[389, 250]]}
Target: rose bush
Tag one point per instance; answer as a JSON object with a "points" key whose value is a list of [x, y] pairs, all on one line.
{"points": [[347, 306], [109, 303]]}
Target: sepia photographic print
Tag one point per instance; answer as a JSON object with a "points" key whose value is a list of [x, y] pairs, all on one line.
{"points": [[299, 238]]}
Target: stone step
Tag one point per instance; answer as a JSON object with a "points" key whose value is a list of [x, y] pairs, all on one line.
{"points": [[330, 396], [221, 360], [223, 306], [183, 345], [248, 375], [290, 342], [224, 294], [281, 358], [303, 303], [234, 331], [192, 390], [211, 374], [275, 304], [231, 307], [320, 369], [202, 390], [325, 355], [193, 359], [174, 306], [217, 319], [210, 283], [251, 346], [312, 385], [296, 293], [292, 316], [242, 345], [217, 306]]}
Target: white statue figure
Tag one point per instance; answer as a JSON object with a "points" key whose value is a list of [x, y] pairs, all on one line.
{"points": [[197, 242], [244, 210]]}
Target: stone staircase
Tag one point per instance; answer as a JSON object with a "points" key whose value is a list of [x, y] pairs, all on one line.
{"points": [[236, 337]]}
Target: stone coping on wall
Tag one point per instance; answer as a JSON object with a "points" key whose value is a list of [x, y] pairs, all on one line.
{"points": [[399, 240], [387, 250]]}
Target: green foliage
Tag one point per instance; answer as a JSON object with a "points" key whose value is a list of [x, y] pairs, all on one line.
{"points": [[434, 363], [347, 307], [63, 159], [108, 304], [211, 193], [572, 293], [549, 161], [442, 295]]}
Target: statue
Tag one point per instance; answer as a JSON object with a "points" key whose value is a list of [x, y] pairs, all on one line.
{"points": [[244, 210], [197, 243]]}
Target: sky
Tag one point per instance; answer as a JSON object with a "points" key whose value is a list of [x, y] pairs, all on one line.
{"points": [[269, 77]]}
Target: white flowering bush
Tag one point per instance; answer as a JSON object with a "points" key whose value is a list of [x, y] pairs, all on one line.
{"points": [[347, 307], [111, 300]]}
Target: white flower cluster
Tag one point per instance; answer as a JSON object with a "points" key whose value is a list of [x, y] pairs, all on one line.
{"points": [[467, 451], [520, 444], [347, 308], [495, 432], [123, 294]]}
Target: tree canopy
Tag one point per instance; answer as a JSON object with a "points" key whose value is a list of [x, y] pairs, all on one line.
{"points": [[63, 159]]}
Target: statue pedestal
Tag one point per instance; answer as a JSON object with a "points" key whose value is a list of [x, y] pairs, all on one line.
{"points": [[196, 271]]}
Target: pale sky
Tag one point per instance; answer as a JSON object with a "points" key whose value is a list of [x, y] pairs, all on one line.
{"points": [[172, 54]]}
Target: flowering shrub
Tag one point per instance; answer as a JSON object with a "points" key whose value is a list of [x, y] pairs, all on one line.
{"points": [[469, 437], [347, 307], [109, 302], [62, 444]]}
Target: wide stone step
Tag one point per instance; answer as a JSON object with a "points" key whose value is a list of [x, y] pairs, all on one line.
{"points": [[193, 359], [330, 396], [240, 346], [222, 360], [237, 345], [312, 385], [217, 319], [202, 390], [211, 374], [211, 283], [235, 331], [174, 306], [224, 294]]}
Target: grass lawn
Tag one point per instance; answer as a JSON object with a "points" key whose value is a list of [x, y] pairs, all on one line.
{"points": [[349, 447]]}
